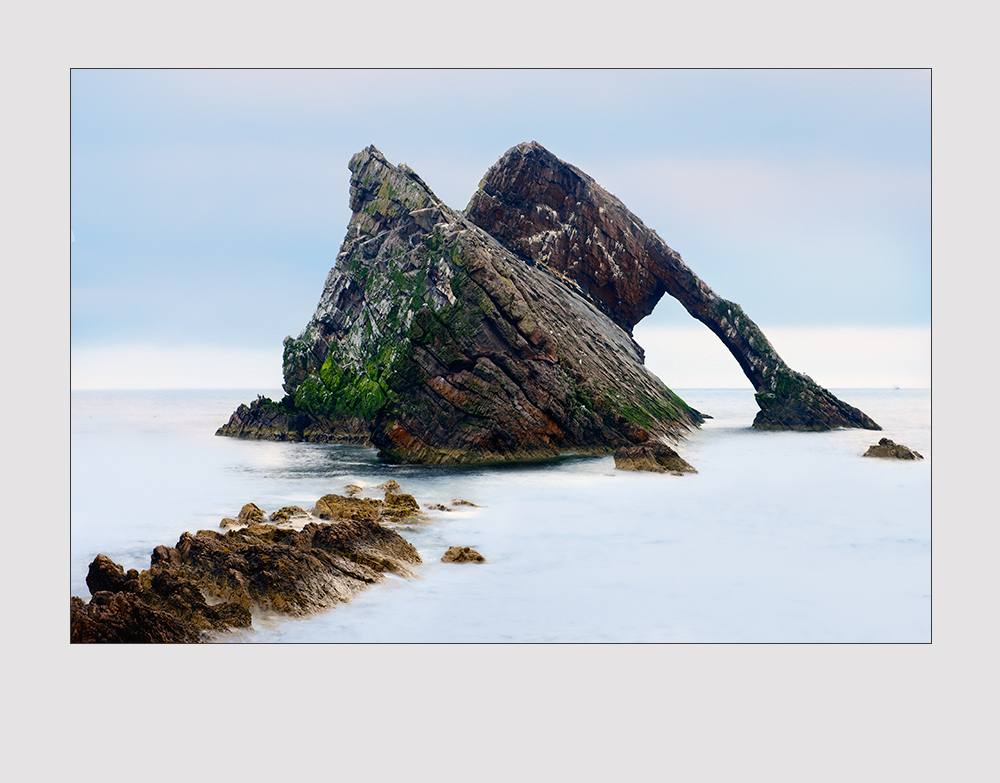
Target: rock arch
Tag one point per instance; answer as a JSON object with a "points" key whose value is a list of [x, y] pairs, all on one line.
{"points": [[551, 212]]}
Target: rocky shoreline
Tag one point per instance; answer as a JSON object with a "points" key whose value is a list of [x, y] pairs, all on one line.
{"points": [[292, 562]]}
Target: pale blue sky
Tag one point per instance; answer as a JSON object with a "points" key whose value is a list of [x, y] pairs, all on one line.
{"points": [[208, 206]]}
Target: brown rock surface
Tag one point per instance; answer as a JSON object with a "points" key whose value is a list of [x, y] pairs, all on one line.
{"points": [[155, 606], [462, 554], [654, 457], [399, 505], [250, 514], [886, 449], [339, 507], [293, 572], [287, 513]]}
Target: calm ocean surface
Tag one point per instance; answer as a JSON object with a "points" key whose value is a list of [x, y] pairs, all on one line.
{"points": [[781, 537]]}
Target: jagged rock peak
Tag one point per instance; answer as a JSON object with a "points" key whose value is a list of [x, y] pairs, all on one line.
{"points": [[381, 191], [448, 347]]}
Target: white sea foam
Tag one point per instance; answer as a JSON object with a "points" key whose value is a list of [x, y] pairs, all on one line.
{"points": [[780, 537]]}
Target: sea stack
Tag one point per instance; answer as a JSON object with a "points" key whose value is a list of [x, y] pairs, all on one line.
{"points": [[505, 333], [443, 345]]}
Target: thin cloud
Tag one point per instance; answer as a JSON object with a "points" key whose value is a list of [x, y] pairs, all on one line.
{"points": [[834, 357], [144, 366]]}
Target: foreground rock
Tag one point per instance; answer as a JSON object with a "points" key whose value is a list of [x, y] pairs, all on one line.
{"points": [[261, 566], [551, 212], [889, 450], [654, 457], [441, 345], [462, 554], [159, 605]]}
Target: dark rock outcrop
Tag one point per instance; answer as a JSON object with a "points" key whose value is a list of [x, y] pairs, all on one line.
{"points": [[654, 457], [265, 419], [462, 554], [448, 347], [259, 566], [551, 212], [295, 572], [886, 449], [156, 606]]}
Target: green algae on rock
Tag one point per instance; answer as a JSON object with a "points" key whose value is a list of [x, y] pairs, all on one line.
{"points": [[441, 345]]}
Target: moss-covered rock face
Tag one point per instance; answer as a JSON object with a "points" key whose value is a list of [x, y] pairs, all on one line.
{"points": [[448, 347]]}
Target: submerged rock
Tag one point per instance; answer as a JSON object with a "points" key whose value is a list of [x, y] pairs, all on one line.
{"points": [[399, 504], [462, 554], [287, 514], [250, 514], [448, 347], [654, 457], [889, 450], [394, 507], [159, 605], [439, 507]]}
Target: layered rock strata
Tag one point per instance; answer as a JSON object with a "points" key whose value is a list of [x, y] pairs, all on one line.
{"points": [[445, 346], [552, 213], [259, 566]]}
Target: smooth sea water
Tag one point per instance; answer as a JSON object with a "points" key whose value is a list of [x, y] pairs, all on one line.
{"points": [[780, 537]]}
